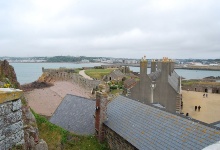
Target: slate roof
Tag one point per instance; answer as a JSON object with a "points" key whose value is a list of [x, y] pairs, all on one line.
{"points": [[216, 124], [75, 114], [129, 82], [116, 74], [146, 127], [173, 80], [155, 75]]}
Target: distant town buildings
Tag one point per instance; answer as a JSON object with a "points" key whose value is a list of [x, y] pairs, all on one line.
{"points": [[85, 61]]}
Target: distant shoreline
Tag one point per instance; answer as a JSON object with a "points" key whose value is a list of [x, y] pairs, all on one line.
{"points": [[209, 68], [56, 62]]}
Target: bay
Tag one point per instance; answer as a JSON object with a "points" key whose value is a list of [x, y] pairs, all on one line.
{"points": [[187, 74], [29, 72]]}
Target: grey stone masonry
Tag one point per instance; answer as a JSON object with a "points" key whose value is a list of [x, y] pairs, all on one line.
{"points": [[11, 124]]}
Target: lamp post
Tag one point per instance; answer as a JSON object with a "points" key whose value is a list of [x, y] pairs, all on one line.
{"points": [[153, 85]]}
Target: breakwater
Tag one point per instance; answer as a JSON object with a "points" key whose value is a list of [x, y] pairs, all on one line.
{"points": [[212, 68]]}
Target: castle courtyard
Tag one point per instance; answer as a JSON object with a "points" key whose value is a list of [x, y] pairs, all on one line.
{"points": [[210, 106]]}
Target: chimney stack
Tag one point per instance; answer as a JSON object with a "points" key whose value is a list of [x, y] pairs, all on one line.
{"points": [[100, 114], [171, 66], [165, 65], [143, 67], [153, 66]]}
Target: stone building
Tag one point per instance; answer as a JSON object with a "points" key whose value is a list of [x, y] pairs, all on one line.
{"points": [[206, 88], [129, 83], [125, 69], [115, 75], [161, 86], [127, 124]]}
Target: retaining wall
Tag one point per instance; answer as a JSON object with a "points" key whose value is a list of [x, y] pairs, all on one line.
{"points": [[72, 77], [116, 142], [11, 124]]}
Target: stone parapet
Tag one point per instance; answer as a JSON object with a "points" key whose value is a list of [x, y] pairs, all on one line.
{"points": [[9, 94], [115, 141], [11, 124]]}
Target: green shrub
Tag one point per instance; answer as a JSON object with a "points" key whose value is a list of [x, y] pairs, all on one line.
{"points": [[59, 138]]}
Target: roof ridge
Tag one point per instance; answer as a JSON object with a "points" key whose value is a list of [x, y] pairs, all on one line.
{"points": [[182, 116], [79, 97]]}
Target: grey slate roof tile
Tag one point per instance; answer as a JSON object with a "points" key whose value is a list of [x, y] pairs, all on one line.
{"points": [[155, 75], [216, 124], [75, 114], [147, 127]]}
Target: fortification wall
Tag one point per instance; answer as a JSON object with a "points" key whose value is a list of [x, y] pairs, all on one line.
{"points": [[62, 75], [115, 141], [83, 82], [11, 124], [202, 88], [58, 70]]}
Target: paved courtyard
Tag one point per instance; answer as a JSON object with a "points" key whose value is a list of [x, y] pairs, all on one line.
{"points": [[210, 106]]}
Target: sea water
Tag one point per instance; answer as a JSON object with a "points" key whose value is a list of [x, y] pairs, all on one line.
{"points": [[29, 72], [188, 74]]}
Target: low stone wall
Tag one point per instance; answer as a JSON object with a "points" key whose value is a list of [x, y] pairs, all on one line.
{"points": [[11, 124], [72, 77], [58, 70], [116, 142], [83, 82], [202, 88]]}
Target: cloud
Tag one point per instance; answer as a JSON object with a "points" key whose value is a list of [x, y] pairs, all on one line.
{"points": [[113, 28]]}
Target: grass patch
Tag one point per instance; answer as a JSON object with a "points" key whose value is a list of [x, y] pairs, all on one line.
{"points": [[198, 82], [58, 138], [116, 91], [98, 73], [77, 70]]}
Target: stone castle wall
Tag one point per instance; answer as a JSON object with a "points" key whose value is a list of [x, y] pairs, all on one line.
{"points": [[202, 88], [85, 83], [11, 124], [63, 75], [116, 142]]}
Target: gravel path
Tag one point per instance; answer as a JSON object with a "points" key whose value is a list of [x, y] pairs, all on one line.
{"points": [[82, 73]]}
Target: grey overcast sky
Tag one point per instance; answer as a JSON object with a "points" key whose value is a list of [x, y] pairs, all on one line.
{"points": [[110, 28]]}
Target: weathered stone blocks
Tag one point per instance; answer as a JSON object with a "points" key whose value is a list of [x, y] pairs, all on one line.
{"points": [[14, 139], [2, 135], [5, 108], [16, 105], [11, 124], [13, 117], [1, 122], [2, 145], [13, 129]]}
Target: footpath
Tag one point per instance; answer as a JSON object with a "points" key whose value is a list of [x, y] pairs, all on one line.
{"points": [[82, 73]]}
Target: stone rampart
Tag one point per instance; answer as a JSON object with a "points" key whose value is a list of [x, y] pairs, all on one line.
{"points": [[65, 75], [202, 88], [58, 70], [83, 82], [11, 124], [115, 141]]}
